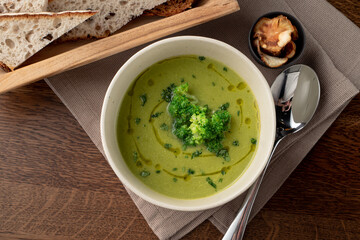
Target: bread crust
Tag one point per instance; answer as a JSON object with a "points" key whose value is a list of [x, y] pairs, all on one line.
{"points": [[11, 16], [5, 67], [170, 8], [66, 38]]}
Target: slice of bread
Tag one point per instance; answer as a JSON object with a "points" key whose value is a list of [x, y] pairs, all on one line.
{"points": [[24, 34], [21, 6], [113, 14], [170, 8]]}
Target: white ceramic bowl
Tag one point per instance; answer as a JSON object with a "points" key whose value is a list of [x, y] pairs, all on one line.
{"points": [[183, 46]]}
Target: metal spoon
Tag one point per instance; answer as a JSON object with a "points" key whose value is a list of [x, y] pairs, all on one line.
{"points": [[296, 93]]}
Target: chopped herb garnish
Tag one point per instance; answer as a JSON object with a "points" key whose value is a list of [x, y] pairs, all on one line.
{"points": [[224, 106], [167, 145], [183, 169], [190, 171], [174, 169], [210, 181], [225, 69], [174, 179], [253, 141], [238, 113], [143, 99], [155, 115], [167, 93], [193, 76], [144, 173], [223, 172], [144, 125], [158, 171], [135, 156], [186, 156], [220, 180], [201, 58], [196, 154], [235, 143], [213, 84], [182, 80], [137, 120], [224, 154], [164, 127], [222, 88]]}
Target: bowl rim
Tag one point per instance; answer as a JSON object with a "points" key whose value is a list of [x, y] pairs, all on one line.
{"points": [[294, 21], [134, 189]]}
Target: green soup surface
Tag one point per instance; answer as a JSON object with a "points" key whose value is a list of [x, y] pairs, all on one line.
{"points": [[156, 156]]}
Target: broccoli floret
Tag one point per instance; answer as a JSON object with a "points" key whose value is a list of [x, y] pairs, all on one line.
{"points": [[220, 121], [214, 145], [194, 124], [182, 132], [182, 89], [198, 127]]}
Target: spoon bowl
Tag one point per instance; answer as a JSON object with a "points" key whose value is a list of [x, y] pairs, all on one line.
{"points": [[296, 93]]}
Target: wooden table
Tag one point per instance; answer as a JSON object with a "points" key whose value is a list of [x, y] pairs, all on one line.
{"points": [[56, 185]]}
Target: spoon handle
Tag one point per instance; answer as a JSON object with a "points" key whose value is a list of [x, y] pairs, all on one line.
{"points": [[238, 226]]}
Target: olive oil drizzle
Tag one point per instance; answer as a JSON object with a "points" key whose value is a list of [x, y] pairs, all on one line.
{"points": [[241, 115], [153, 111], [187, 177], [211, 67], [176, 151], [214, 173], [175, 58], [257, 115], [240, 103], [131, 95], [202, 155], [145, 160], [252, 148]]}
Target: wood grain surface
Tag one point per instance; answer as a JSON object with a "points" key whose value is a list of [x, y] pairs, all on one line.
{"points": [[54, 183]]}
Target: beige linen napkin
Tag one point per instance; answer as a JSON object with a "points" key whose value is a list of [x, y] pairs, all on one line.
{"points": [[332, 52]]}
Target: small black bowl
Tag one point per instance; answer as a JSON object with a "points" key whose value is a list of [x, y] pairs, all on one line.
{"points": [[300, 42]]}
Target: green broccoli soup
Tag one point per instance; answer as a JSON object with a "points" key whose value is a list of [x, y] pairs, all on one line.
{"points": [[188, 127]]}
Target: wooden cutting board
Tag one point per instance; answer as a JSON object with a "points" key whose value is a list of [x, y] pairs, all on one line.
{"points": [[57, 58]]}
